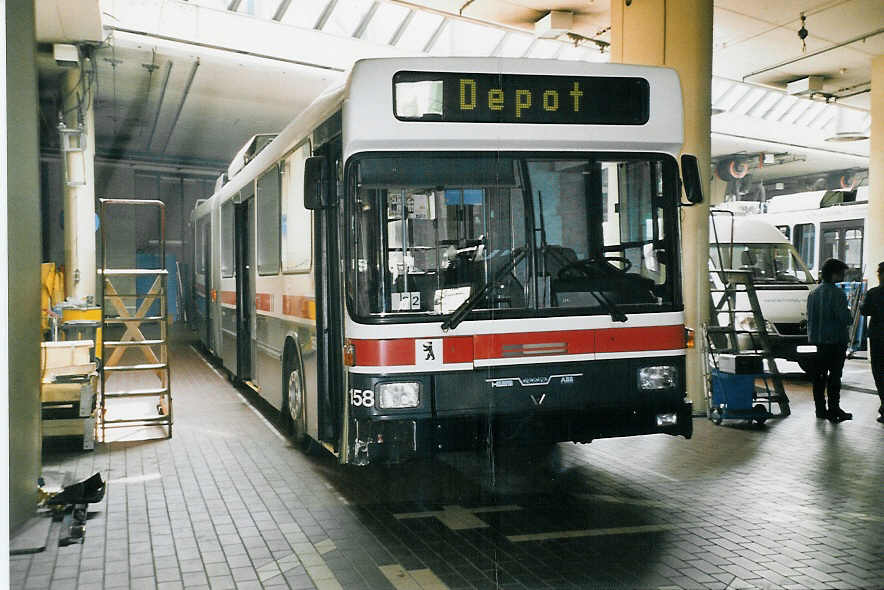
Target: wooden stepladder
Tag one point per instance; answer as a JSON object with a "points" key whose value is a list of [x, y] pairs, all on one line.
{"points": [[135, 321]]}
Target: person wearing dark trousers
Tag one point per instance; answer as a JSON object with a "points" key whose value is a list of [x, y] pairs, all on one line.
{"points": [[827, 321], [873, 308]]}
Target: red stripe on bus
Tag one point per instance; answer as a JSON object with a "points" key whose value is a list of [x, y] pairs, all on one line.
{"points": [[495, 346], [638, 339], [384, 353], [457, 349], [466, 349], [264, 301], [228, 297], [299, 306]]}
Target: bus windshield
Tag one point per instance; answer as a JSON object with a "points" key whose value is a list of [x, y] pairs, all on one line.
{"points": [[769, 263], [534, 234]]}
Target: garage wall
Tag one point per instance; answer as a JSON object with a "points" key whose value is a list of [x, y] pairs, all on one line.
{"points": [[128, 233], [21, 151]]}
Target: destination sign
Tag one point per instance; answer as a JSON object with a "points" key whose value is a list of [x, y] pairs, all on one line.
{"points": [[520, 98]]}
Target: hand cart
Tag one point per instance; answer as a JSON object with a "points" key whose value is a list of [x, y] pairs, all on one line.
{"points": [[732, 391]]}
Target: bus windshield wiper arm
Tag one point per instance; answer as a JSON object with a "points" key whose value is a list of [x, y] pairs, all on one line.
{"points": [[458, 315], [616, 314]]}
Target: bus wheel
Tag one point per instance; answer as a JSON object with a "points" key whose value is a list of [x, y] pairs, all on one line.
{"points": [[293, 411]]}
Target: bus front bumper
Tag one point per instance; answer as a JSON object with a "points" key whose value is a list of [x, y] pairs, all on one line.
{"points": [[399, 438]]}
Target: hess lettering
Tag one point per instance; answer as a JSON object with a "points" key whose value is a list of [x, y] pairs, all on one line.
{"points": [[521, 100]]}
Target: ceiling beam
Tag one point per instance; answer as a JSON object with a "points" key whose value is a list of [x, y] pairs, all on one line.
{"points": [[184, 95], [234, 5], [499, 47], [530, 47], [281, 10], [362, 27], [435, 36], [400, 30], [325, 14]]}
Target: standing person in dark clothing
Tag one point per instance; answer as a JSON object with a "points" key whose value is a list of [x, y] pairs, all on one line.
{"points": [[873, 307], [827, 321]]}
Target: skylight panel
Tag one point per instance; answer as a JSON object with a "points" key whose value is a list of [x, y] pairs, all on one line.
{"points": [[303, 14], [419, 31], [384, 23], [515, 45], [346, 16], [543, 49]]}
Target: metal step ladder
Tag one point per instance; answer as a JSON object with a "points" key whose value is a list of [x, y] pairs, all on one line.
{"points": [[124, 326], [729, 292]]}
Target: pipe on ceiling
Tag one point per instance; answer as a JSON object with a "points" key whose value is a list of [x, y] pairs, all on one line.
{"points": [[156, 115], [296, 62], [184, 95], [862, 37]]}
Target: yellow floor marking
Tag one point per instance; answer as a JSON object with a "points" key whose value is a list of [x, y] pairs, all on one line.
{"points": [[458, 518], [626, 530], [422, 579], [324, 547], [623, 500]]}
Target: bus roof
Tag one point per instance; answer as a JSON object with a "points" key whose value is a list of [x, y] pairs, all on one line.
{"points": [[369, 122], [746, 231]]}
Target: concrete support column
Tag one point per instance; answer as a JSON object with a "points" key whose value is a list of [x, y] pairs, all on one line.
{"points": [[20, 233], [875, 221], [678, 34], [79, 189]]}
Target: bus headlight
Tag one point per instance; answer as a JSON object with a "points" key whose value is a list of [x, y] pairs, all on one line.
{"points": [[399, 395], [657, 377]]}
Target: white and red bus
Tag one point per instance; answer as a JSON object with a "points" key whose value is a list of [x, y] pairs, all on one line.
{"points": [[445, 252]]}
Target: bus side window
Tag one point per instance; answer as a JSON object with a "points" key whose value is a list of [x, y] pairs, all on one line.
{"points": [[227, 239], [268, 222], [803, 240], [296, 222]]}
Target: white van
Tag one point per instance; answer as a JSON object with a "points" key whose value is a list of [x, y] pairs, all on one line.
{"points": [[782, 281]]}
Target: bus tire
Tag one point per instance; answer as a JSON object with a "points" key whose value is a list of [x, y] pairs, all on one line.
{"points": [[293, 409]]}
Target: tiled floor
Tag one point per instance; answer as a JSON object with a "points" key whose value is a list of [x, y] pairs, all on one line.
{"points": [[228, 503]]}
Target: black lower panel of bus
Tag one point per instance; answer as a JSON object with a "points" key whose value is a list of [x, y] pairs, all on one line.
{"points": [[517, 405]]}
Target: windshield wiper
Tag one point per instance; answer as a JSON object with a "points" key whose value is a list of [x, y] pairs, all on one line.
{"points": [[458, 315], [616, 314]]}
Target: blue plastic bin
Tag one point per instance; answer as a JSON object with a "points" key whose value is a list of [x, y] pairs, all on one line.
{"points": [[734, 392]]}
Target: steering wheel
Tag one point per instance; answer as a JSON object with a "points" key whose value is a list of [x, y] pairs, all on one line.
{"points": [[627, 264]]}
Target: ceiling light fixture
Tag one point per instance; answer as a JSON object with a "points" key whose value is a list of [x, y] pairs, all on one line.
{"points": [[848, 126], [802, 33]]}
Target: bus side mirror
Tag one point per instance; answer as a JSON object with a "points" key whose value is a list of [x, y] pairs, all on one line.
{"points": [[690, 174], [315, 183]]}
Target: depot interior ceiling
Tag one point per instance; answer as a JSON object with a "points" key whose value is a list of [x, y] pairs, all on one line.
{"points": [[158, 96]]}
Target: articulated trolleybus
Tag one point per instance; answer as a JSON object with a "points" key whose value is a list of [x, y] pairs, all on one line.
{"points": [[445, 252]]}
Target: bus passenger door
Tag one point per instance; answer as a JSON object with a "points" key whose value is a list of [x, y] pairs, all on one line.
{"points": [[844, 240], [329, 327], [207, 253], [244, 216]]}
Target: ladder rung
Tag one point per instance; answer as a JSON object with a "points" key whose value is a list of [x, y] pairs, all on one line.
{"points": [[143, 367], [136, 393], [122, 343], [118, 272], [161, 418], [149, 318], [155, 294]]}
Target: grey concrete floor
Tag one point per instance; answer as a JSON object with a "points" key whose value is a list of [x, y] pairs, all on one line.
{"points": [[229, 503]]}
